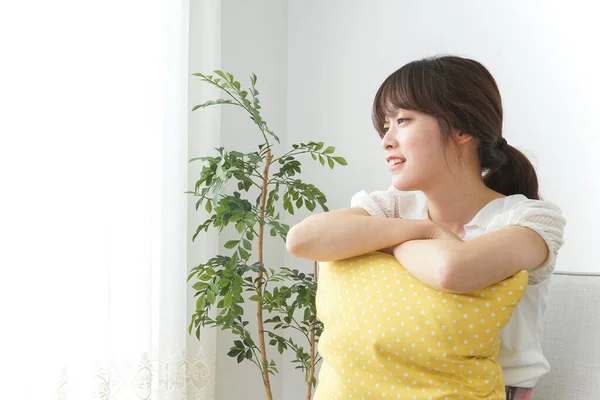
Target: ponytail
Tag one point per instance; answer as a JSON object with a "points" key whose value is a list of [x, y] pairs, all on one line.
{"points": [[513, 173]]}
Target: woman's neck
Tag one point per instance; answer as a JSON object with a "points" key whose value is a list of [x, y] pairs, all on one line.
{"points": [[455, 204]]}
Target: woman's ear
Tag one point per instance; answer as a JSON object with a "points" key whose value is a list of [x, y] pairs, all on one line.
{"points": [[461, 137]]}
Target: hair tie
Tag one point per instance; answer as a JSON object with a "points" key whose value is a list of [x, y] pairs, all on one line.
{"points": [[502, 144]]}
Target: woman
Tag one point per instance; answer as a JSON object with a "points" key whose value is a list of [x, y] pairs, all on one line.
{"points": [[463, 211]]}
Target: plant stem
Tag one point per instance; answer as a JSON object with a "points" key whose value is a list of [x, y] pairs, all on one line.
{"points": [[259, 312], [291, 154], [312, 344]]}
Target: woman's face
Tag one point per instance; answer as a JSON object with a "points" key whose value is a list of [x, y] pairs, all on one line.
{"points": [[413, 150]]}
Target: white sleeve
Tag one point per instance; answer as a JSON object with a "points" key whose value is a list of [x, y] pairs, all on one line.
{"points": [[546, 220], [384, 203]]}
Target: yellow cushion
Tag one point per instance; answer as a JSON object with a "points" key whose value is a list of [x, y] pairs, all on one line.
{"points": [[388, 335]]}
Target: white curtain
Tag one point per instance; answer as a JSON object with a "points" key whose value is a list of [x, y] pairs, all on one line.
{"points": [[96, 228]]}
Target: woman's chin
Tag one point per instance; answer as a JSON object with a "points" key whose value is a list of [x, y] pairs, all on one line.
{"points": [[402, 184]]}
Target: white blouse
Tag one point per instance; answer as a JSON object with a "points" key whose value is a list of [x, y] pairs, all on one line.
{"points": [[521, 357]]}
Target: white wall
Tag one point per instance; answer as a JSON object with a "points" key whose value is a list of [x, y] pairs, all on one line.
{"points": [[320, 63]]}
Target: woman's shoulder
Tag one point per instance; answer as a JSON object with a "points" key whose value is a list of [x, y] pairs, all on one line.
{"points": [[391, 203], [543, 217], [519, 205], [517, 209]]}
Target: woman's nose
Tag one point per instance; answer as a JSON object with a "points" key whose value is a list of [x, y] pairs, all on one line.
{"points": [[388, 141]]}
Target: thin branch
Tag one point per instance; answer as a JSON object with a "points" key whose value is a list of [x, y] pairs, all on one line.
{"points": [[312, 341], [259, 310]]}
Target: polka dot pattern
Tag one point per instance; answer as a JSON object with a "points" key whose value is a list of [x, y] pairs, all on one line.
{"points": [[388, 335]]}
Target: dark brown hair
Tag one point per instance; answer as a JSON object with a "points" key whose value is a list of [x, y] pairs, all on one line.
{"points": [[463, 95]]}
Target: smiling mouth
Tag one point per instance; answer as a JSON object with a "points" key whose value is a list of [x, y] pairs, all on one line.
{"points": [[394, 161]]}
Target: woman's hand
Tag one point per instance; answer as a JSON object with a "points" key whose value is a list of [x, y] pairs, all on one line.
{"points": [[434, 231], [427, 259], [439, 232]]}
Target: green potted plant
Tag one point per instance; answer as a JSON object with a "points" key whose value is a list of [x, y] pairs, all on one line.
{"points": [[221, 281]]}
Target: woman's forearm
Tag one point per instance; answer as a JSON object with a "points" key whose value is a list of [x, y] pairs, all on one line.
{"points": [[429, 260], [337, 235]]}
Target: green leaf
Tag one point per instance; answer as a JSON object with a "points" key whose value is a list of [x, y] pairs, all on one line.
{"points": [[227, 300], [208, 206], [281, 346], [340, 160], [214, 288], [232, 262], [223, 282], [240, 226], [330, 162], [221, 74], [243, 253], [247, 245], [236, 216], [321, 160], [307, 316], [233, 353], [221, 173], [319, 146], [201, 303], [211, 297], [212, 103], [231, 244], [255, 298], [190, 327], [329, 150]]}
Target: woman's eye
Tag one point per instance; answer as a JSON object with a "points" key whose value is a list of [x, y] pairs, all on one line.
{"points": [[385, 129]]}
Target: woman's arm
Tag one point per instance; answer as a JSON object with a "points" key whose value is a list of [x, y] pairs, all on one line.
{"points": [[350, 232], [451, 265]]}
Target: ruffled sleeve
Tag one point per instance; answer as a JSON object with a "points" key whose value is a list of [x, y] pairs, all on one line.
{"points": [[391, 203], [543, 217]]}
